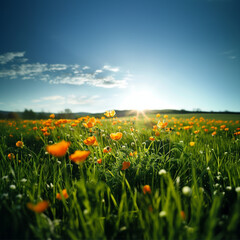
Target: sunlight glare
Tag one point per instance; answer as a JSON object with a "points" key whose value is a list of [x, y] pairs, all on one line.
{"points": [[139, 100]]}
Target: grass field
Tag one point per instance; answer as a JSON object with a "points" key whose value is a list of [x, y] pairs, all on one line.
{"points": [[157, 177]]}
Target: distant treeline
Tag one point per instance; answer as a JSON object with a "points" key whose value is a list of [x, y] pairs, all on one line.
{"points": [[68, 114], [31, 115]]}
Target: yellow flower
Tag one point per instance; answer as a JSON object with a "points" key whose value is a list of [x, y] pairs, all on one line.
{"points": [[192, 144], [162, 124], [110, 113]]}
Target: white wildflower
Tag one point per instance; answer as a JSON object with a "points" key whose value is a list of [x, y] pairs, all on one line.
{"points": [[187, 191]]}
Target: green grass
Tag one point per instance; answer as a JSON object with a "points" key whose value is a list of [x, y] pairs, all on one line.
{"points": [[106, 202]]}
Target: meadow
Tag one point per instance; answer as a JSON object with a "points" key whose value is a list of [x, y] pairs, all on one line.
{"points": [[143, 177]]}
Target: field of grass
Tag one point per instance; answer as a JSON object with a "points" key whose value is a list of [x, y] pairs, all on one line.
{"points": [[159, 177]]}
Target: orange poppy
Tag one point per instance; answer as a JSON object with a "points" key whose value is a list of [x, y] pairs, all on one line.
{"points": [[58, 149], [64, 193], [20, 144], [91, 141], [107, 149], [157, 133], [162, 124], [125, 165], [147, 189], [99, 161], [79, 156], [11, 156], [214, 133], [183, 215], [116, 136], [39, 207], [151, 138]]}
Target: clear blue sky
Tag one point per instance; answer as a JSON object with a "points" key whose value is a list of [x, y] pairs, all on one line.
{"points": [[97, 55]]}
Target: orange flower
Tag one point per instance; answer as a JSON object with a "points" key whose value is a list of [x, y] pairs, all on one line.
{"points": [[157, 133], [107, 149], [58, 149], [158, 115], [38, 208], [91, 141], [46, 133], [147, 189], [162, 124], [52, 116], [151, 138], [20, 144], [79, 156], [125, 165], [99, 161], [88, 125], [183, 215], [214, 133], [116, 136], [35, 128], [11, 156], [64, 193]]}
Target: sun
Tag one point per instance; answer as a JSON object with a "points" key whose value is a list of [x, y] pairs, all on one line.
{"points": [[139, 100]]}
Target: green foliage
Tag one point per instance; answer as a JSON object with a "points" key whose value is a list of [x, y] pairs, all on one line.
{"points": [[194, 189]]}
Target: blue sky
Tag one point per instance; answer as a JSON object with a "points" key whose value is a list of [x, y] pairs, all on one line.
{"points": [[97, 55]]}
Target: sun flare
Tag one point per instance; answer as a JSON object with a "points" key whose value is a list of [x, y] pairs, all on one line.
{"points": [[139, 100]]}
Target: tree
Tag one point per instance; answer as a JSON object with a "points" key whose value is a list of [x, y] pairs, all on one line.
{"points": [[29, 114]]}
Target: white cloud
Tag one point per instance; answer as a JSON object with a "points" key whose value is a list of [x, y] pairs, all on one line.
{"points": [[107, 77], [232, 57], [57, 67], [109, 68], [8, 57], [74, 100], [230, 54], [86, 67], [69, 100], [49, 98]]}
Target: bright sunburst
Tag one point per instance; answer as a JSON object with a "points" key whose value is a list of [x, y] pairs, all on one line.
{"points": [[139, 100]]}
